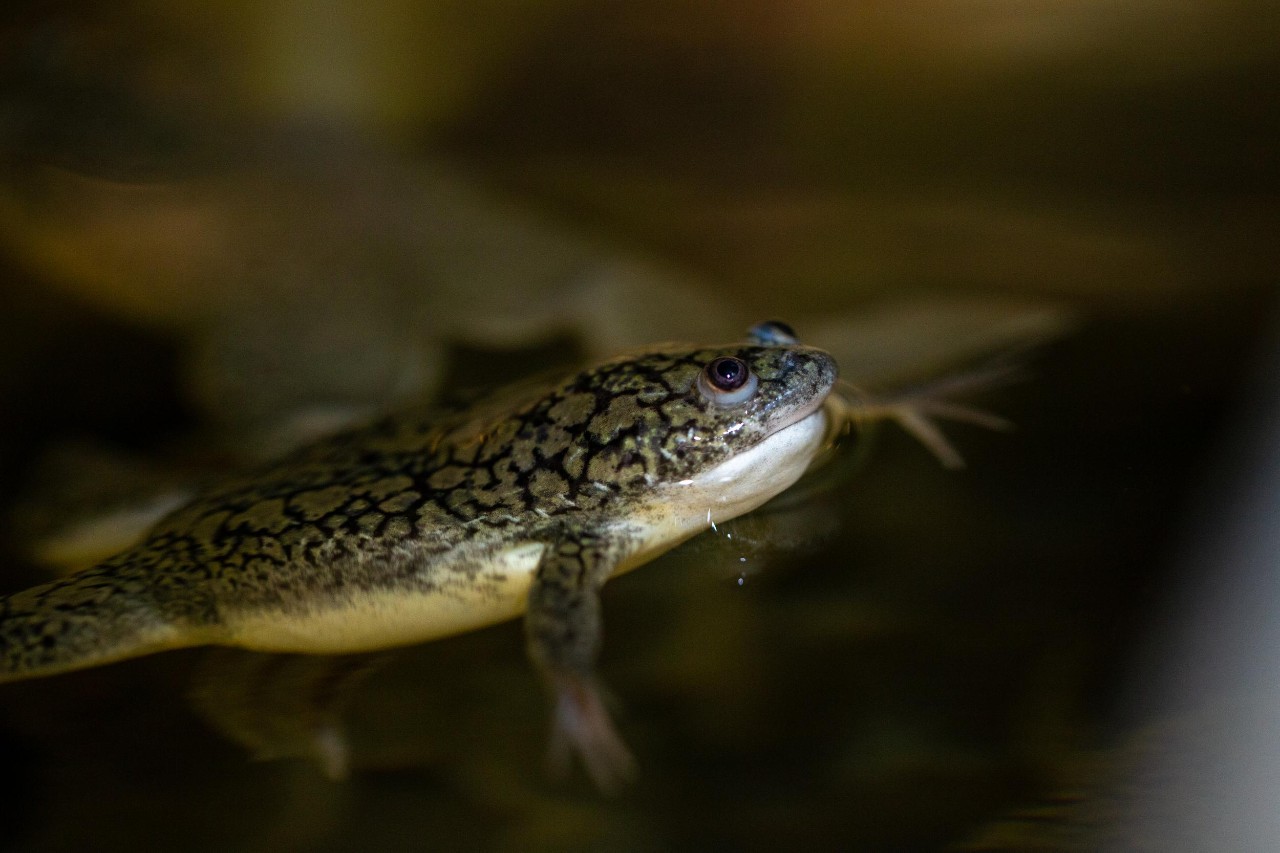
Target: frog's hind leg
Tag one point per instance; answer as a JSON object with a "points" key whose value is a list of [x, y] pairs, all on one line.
{"points": [[98, 616], [283, 705]]}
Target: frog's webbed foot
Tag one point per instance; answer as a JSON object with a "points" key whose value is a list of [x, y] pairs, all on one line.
{"points": [[918, 409], [581, 726]]}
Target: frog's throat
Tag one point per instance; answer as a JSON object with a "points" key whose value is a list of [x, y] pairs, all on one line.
{"points": [[681, 510], [753, 476]]}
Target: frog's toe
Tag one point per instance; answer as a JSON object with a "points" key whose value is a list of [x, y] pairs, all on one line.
{"points": [[916, 410], [331, 750], [582, 726]]}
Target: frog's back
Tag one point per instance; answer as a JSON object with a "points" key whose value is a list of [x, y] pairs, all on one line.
{"points": [[390, 534], [421, 525]]}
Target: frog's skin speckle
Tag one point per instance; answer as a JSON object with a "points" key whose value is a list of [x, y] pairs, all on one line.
{"points": [[421, 526]]}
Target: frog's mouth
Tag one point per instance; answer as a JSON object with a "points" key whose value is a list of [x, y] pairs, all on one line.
{"points": [[820, 419], [836, 426], [818, 404], [821, 405]]}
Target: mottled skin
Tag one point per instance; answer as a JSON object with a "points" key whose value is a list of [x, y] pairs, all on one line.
{"points": [[421, 526]]}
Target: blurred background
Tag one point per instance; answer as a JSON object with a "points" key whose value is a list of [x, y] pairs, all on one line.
{"points": [[225, 229]]}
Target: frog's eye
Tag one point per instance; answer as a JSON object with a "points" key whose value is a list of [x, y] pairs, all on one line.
{"points": [[727, 381]]}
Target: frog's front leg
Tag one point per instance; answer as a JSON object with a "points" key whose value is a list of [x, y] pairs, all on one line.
{"points": [[916, 409], [563, 632]]}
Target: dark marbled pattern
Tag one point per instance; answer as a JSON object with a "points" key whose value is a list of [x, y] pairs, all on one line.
{"points": [[375, 509]]}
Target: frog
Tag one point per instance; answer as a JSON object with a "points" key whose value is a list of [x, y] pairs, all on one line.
{"points": [[425, 524]]}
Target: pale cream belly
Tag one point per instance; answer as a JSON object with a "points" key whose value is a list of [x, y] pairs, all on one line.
{"points": [[379, 619]]}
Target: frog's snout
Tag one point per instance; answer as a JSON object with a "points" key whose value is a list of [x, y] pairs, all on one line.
{"points": [[820, 366]]}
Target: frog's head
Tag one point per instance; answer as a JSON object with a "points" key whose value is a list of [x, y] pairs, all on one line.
{"points": [[730, 425]]}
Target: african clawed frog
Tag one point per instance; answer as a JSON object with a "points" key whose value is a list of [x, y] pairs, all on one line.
{"points": [[421, 526]]}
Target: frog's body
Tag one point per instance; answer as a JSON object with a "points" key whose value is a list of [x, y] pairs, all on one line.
{"points": [[418, 527]]}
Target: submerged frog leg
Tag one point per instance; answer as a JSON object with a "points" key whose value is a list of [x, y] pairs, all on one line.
{"points": [[283, 705], [563, 632], [100, 615]]}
